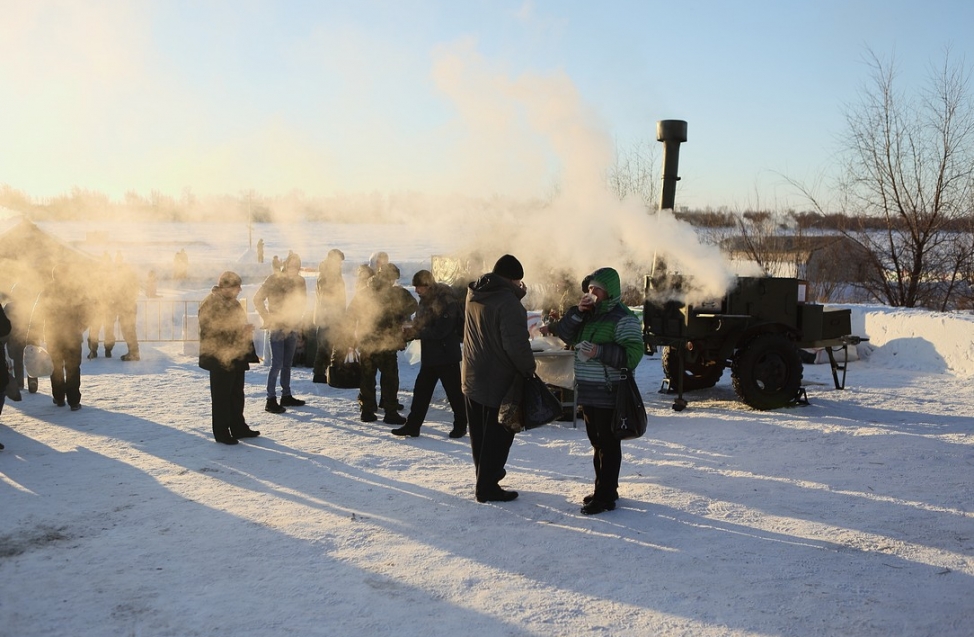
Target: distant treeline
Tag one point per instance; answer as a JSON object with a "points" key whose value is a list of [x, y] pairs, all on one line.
{"points": [[791, 220], [88, 205]]}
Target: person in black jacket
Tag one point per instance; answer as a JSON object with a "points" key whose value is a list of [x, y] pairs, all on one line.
{"points": [[4, 374], [226, 350], [377, 315], [438, 325], [496, 349], [329, 311], [64, 308]]}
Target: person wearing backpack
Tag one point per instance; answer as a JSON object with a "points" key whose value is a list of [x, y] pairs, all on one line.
{"points": [[438, 326]]}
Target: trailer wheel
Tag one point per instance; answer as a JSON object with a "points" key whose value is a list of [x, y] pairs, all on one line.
{"points": [[767, 372], [696, 374]]}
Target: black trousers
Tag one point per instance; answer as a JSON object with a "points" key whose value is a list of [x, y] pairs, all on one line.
{"points": [[386, 364], [325, 346], [607, 452], [490, 443], [126, 322], [449, 376], [65, 353], [227, 403]]}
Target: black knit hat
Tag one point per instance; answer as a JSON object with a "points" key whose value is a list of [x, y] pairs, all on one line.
{"points": [[509, 267]]}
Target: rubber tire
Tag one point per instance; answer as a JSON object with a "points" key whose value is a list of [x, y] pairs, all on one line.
{"points": [[696, 374], [767, 372]]}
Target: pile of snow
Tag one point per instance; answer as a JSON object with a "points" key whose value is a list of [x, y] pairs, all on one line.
{"points": [[915, 339]]}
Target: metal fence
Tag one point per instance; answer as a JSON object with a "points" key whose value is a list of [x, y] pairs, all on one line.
{"points": [[165, 320]]}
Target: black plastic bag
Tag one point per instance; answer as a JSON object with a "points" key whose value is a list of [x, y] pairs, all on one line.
{"points": [[540, 405], [629, 416], [528, 404], [345, 374]]}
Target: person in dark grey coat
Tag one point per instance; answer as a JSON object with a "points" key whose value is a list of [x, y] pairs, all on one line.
{"points": [[496, 349]]}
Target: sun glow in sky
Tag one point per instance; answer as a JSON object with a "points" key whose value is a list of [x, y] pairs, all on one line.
{"points": [[479, 98]]}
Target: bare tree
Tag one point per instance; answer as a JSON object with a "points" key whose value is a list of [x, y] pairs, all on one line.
{"points": [[635, 173], [911, 166]]}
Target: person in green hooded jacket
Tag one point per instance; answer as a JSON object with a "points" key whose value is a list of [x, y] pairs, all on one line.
{"points": [[607, 337]]}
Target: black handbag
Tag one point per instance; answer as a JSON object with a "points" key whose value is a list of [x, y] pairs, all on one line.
{"points": [[629, 416], [345, 373]]}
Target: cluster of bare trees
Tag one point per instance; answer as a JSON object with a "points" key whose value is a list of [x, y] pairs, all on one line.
{"points": [[908, 187]]}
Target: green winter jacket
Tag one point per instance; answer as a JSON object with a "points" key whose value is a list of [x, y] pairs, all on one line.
{"points": [[615, 329]]}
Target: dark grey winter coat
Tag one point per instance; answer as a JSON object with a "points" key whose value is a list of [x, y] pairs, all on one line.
{"points": [[496, 343]]}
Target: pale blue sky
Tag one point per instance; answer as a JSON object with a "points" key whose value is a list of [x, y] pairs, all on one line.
{"points": [[476, 97]]}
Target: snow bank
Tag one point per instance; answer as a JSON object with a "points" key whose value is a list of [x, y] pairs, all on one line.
{"points": [[915, 339]]}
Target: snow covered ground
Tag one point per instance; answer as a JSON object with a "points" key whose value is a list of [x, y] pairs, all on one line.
{"points": [[853, 515]]}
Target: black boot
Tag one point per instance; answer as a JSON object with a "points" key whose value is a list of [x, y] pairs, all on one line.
{"points": [[291, 401], [459, 431], [273, 407], [392, 418], [407, 430]]}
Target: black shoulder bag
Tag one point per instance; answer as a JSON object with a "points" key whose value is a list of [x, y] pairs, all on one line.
{"points": [[629, 415]]}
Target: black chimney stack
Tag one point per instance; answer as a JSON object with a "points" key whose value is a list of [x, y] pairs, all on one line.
{"points": [[672, 132]]}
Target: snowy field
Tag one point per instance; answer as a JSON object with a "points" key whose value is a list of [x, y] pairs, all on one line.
{"points": [[853, 515]]}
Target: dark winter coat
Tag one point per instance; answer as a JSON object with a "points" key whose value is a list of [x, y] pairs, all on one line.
{"points": [[65, 311], [225, 338], [4, 332], [438, 326], [496, 343], [330, 298], [282, 301], [377, 314]]}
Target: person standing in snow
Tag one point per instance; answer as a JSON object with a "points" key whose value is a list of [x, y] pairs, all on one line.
{"points": [[19, 309], [281, 302], [496, 349], [329, 311], [438, 326], [376, 316], [226, 342], [125, 307], [4, 373], [607, 337], [102, 311], [64, 309]]}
